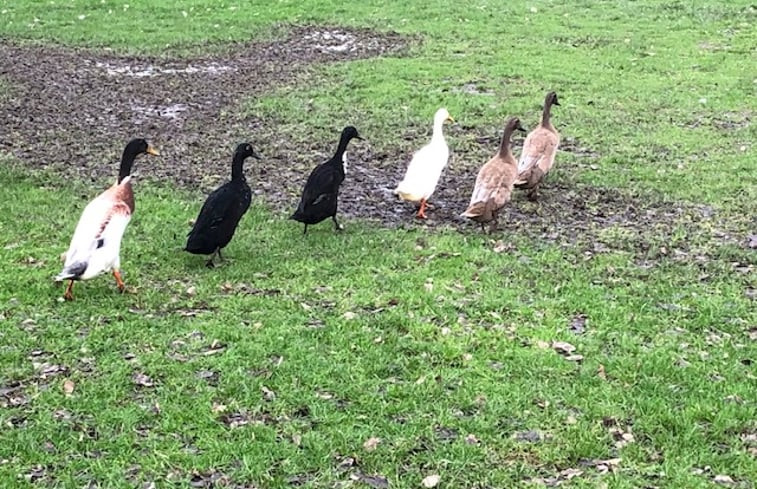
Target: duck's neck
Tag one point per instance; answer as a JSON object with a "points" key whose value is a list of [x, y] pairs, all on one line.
{"points": [[127, 161], [504, 145], [236, 167], [546, 113], [438, 134], [340, 150]]}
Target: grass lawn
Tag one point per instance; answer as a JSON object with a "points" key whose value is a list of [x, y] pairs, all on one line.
{"points": [[384, 357]]}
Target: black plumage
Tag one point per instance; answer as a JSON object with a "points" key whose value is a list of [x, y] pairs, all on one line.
{"points": [[222, 210], [319, 197]]}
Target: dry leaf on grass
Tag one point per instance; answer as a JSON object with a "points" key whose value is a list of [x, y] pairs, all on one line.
{"points": [[375, 481], [371, 444], [68, 387], [142, 380], [578, 324], [601, 372], [431, 481], [725, 480], [268, 394], [563, 347]]}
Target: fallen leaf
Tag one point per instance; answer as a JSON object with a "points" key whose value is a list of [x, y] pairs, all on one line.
{"points": [[734, 398], [68, 387], [191, 291], [725, 480], [235, 420], [574, 358], [445, 434], [601, 372], [501, 246], [471, 439], [268, 394], [142, 380], [563, 347], [375, 481], [371, 444], [568, 474], [578, 324], [214, 347], [531, 436], [349, 315], [345, 463], [431, 481]]}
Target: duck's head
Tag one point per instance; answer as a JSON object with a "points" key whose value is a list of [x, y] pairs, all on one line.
{"points": [[514, 125], [139, 146], [349, 133], [245, 150], [552, 99], [442, 116]]}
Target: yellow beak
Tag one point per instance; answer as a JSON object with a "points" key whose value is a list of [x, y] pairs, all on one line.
{"points": [[152, 151], [450, 119]]}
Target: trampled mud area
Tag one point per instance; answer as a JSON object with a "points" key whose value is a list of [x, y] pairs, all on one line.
{"points": [[72, 110]]}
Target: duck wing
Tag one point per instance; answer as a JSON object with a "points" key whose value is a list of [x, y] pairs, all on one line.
{"points": [[99, 230], [322, 185], [423, 172], [492, 189], [538, 152], [219, 216]]}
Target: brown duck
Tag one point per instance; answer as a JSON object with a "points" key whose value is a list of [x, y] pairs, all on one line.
{"points": [[539, 151], [494, 182]]}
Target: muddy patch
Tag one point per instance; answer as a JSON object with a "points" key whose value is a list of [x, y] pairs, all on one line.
{"points": [[73, 110]]}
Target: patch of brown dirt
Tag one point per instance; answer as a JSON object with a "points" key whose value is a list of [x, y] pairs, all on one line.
{"points": [[74, 109]]}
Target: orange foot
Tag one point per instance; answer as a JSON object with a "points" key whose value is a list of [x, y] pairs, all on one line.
{"points": [[119, 282], [422, 211], [69, 293]]}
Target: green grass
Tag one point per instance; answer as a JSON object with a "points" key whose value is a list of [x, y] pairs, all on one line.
{"points": [[416, 338], [463, 354]]}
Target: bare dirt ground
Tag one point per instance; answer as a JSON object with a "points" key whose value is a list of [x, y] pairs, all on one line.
{"points": [[72, 110]]}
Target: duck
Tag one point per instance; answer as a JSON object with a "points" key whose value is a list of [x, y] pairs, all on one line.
{"points": [[321, 191], [494, 182], [426, 167], [222, 210], [96, 245], [539, 149]]}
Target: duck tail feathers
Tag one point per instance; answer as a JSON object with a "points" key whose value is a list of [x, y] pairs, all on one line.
{"points": [[73, 271], [474, 210]]}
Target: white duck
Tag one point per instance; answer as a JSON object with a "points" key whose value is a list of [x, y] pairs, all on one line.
{"points": [[426, 167], [96, 245]]}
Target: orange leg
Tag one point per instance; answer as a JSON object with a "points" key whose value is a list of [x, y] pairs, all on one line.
{"points": [[422, 211], [119, 282], [69, 294]]}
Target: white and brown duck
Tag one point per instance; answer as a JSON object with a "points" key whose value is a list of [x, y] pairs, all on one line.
{"points": [[96, 245]]}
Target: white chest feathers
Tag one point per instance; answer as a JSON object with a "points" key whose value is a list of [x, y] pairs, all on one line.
{"points": [[344, 161]]}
